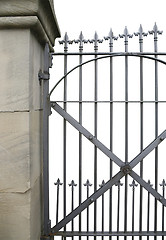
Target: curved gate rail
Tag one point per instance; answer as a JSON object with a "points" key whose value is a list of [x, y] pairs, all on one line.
{"points": [[143, 215]]}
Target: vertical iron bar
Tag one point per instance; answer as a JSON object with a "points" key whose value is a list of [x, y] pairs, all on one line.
{"points": [[87, 184], [46, 112], [65, 127], [126, 131], [72, 185], [118, 184], [148, 210], [141, 34], [95, 128], [126, 35], [156, 32], [102, 221], [111, 37], [133, 185], [163, 184]]}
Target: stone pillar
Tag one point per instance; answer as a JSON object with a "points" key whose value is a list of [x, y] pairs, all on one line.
{"points": [[25, 27]]}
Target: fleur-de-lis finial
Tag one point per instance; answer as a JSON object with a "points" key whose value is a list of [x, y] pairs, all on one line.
{"points": [[96, 40], [111, 37], [133, 184], [81, 40], [58, 183], [72, 184], [66, 41], [141, 33], [163, 184], [126, 34], [155, 31], [102, 184]]}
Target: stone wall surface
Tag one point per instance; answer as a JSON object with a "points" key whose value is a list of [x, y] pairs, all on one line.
{"points": [[25, 27]]}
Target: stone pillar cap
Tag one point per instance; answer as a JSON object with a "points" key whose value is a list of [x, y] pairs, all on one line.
{"points": [[39, 15]]}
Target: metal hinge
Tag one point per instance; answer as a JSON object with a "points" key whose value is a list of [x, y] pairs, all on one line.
{"points": [[43, 76]]}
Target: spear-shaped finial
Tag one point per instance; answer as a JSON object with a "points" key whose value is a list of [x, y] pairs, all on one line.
{"points": [[58, 182], [72, 184], [151, 185], [133, 185], [111, 37], [118, 184], [87, 184], [163, 184]]}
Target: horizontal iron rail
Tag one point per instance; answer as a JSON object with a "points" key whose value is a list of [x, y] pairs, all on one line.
{"points": [[113, 233], [109, 53], [114, 101], [87, 202], [103, 57], [87, 134]]}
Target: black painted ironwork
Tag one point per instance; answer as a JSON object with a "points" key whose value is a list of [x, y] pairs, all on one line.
{"points": [[131, 207]]}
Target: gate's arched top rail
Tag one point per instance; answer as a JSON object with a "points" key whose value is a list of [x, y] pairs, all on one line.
{"points": [[108, 55]]}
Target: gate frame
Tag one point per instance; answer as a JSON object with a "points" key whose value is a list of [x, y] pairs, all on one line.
{"points": [[125, 168]]}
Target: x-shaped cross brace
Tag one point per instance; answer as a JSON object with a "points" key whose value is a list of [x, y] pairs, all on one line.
{"points": [[124, 168]]}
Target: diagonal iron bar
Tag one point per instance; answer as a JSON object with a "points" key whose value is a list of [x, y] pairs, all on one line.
{"points": [[148, 149], [87, 134], [87, 202], [148, 187]]}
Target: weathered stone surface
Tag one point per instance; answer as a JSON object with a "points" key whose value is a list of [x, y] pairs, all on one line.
{"points": [[20, 214], [21, 59], [43, 9], [14, 152], [14, 62], [15, 216]]}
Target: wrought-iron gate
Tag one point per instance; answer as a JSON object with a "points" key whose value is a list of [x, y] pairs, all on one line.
{"points": [[110, 176]]}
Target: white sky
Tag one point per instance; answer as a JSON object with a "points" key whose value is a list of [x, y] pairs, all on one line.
{"points": [[94, 15]]}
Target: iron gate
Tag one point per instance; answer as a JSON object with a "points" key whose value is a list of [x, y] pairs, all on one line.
{"points": [[110, 176]]}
